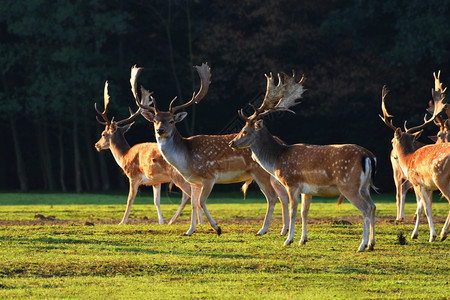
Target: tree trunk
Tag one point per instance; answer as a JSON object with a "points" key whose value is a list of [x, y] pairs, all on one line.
{"points": [[76, 149], [21, 172], [62, 181], [92, 167], [46, 160]]}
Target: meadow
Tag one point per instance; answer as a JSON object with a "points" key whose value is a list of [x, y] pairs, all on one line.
{"points": [[70, 246]]}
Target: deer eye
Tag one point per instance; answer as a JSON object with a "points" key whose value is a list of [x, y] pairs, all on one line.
{"points": [[171, 121]]}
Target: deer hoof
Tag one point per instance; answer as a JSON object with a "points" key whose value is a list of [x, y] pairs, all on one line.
{"points": [[303, 241], [362, 248], [261, 232], [218, 230], [414, 236], [432, 238], [288, 242], [443, 237], [284, 231]]}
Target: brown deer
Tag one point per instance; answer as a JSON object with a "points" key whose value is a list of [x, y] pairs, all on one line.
{"points": [[426, 168], [328, 170], [142, 163], [401, 182], [205, 160], [443, 135]]}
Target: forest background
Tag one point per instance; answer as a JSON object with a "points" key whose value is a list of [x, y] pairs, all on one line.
{"points": [[56, 55]]}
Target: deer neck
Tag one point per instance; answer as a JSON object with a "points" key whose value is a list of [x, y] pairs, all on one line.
{"points": [[174, 150], [266, 150], [405, 153], [119, 147]]}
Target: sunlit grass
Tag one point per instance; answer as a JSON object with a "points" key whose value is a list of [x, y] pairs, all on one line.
{"points": [[68, 258]]}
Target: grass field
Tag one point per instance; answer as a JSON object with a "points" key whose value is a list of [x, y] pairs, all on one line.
{"points": [[81, 252]]}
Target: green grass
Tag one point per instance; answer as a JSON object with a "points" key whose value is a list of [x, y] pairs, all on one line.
{"points": [[67, 258]]}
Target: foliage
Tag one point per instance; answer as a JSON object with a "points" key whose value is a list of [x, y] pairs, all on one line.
{"points": [[56, 55], [42, 259]]}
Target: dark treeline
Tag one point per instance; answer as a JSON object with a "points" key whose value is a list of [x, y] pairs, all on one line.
{"points": [[56, 55]]}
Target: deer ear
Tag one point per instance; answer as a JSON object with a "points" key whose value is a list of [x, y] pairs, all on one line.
{"points": [[433, 138], [417, 134], [127, 127], [148, 115], [398, 133], [258, 124], [180, 116]]}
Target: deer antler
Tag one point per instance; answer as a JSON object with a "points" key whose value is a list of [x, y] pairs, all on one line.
{"points": [[438, 106], [386, 115], [145, 96], [280, 97], [204, 72], [105, 109]]}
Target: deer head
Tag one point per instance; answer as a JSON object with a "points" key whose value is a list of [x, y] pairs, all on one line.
{"points": [[406, 138], [164, 121], [444, 125], [113, 127], [280, 97]]}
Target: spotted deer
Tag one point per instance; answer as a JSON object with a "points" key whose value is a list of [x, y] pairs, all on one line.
{"points": [[402, 184], [206, 160], [310, 170], [427, 168], [142, 163], [443, 135]]}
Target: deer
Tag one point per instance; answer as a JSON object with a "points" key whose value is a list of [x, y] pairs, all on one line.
{"points": [[427, 167], [143, 164], [206, 160], [309, 170], [402, 184]]}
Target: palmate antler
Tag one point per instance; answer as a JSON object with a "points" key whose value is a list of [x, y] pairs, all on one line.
{"points": [[105, 107], [435, 108], [438, 104], [280, 97], [145, 100], [204, 72]]}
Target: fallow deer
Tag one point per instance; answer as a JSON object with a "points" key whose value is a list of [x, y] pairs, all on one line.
{"points": [[443, 135], [328, 170], [426, 168], [142, 163], [205, 160], [402, 184]]}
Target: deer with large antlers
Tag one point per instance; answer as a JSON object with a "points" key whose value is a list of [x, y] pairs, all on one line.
{"points": [[427, 168], [142, 163], [205, 160], [328, 170]]}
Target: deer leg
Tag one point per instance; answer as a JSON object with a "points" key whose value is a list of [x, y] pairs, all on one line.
{"points": [[426, 197], [445, 230], [199, 215], [284, 201], [131, 195], [401, 194], [157, 201], [205, 191], [293, 204], [271, 197], [195, 194], [419, 208], [444, 187], [362, 201], [184, 200], [306, 201], [419, 211]]}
